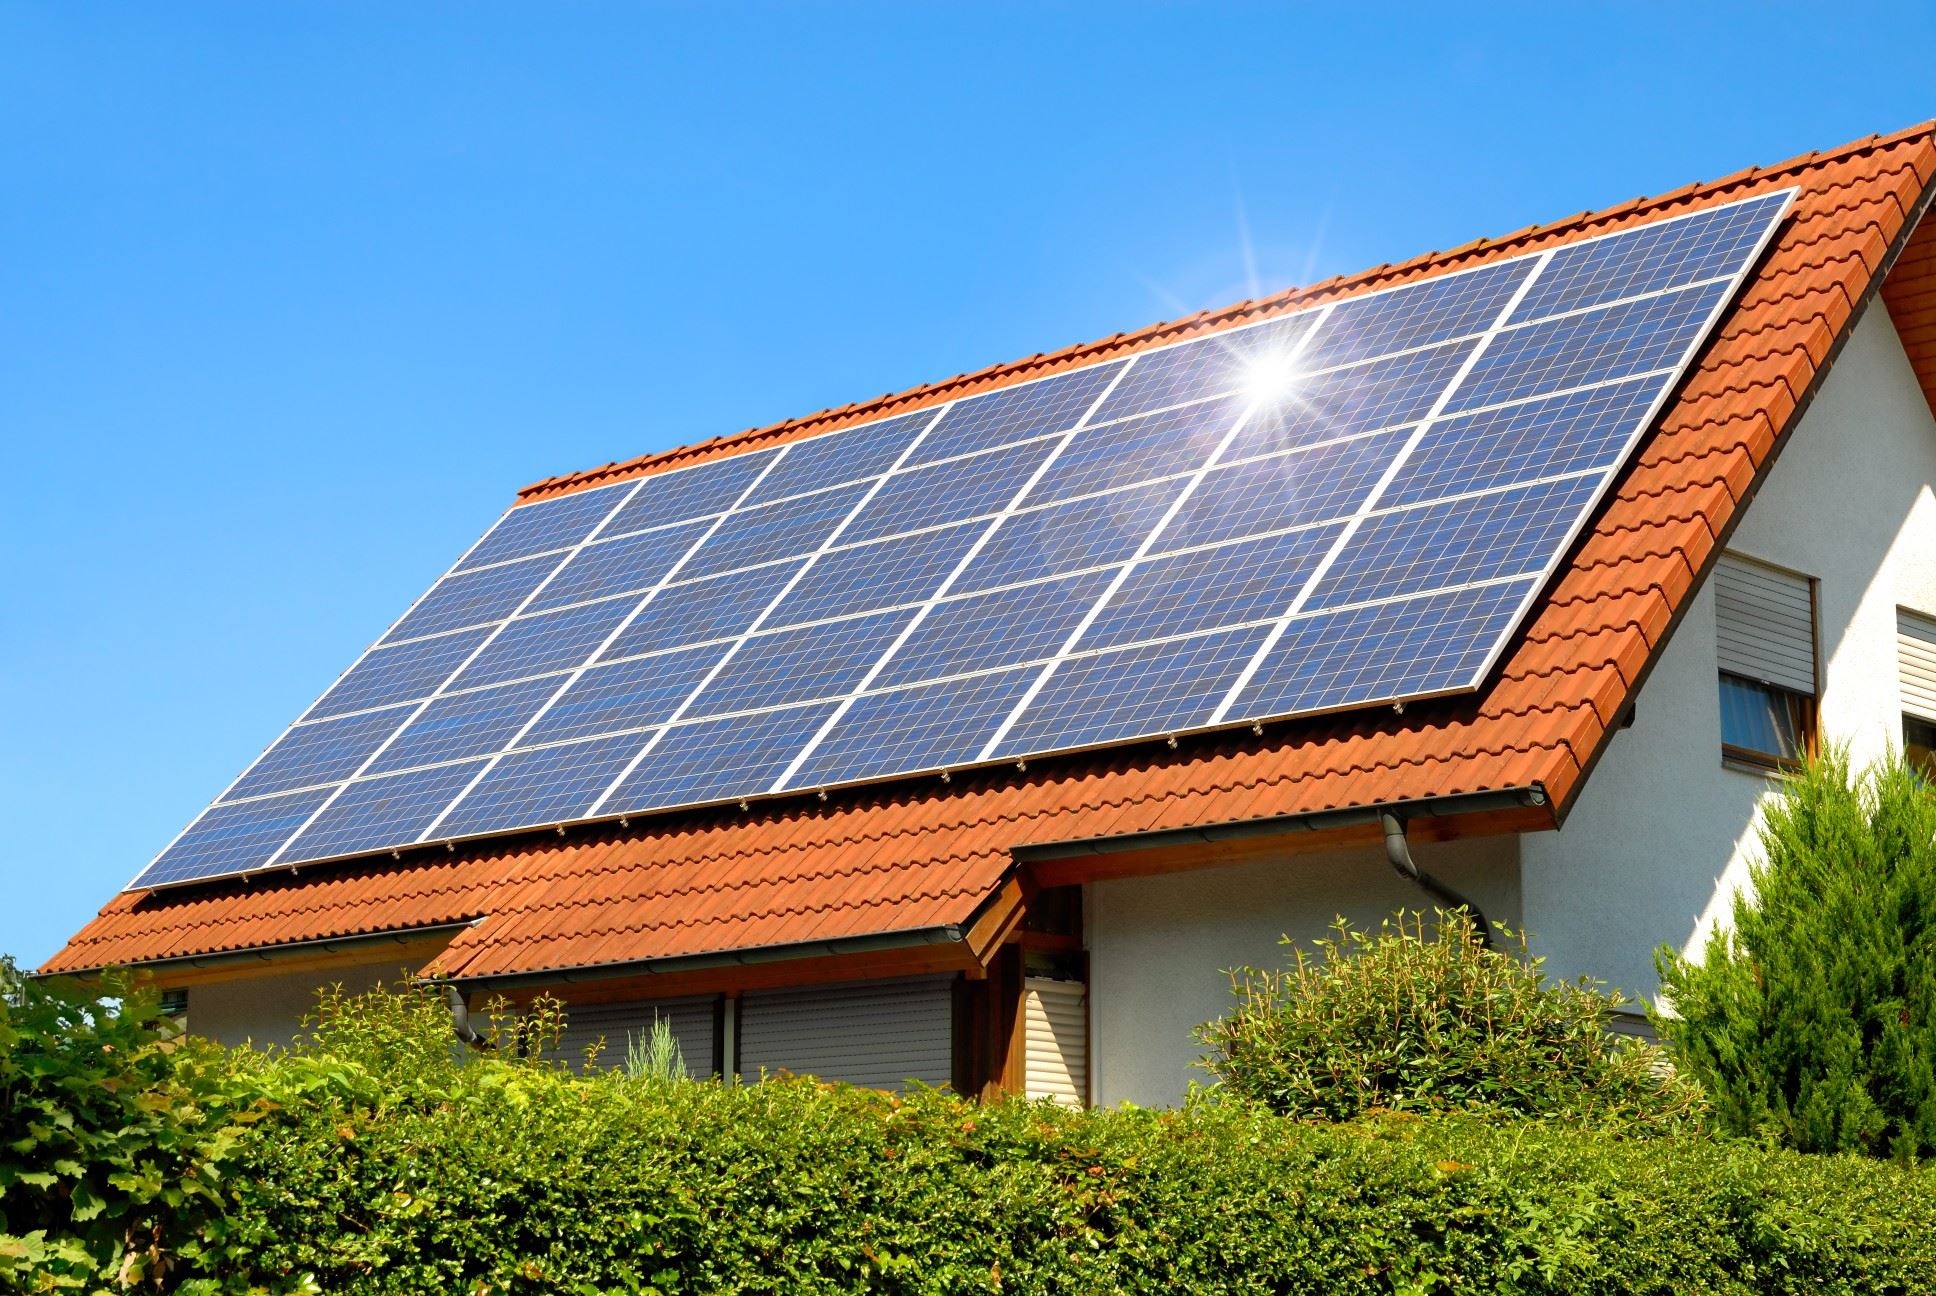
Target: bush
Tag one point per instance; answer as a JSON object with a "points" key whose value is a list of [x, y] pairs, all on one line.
{"points": [[386, 1162], [1813, 1021], [1421, 1016], [503, 1176], [112, 1138]]}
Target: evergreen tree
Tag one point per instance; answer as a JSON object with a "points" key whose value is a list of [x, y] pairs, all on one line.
{"points": [[1813, 1022]]}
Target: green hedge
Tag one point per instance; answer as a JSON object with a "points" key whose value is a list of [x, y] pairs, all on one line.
{"points": [[390, 1165], [379, 1160]]}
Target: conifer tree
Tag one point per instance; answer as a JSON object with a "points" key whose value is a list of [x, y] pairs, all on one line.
{"points": [[1812, 1023]]}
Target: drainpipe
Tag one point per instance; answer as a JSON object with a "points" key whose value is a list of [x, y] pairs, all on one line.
{"points": [[1399, 852], [460, 1018]]}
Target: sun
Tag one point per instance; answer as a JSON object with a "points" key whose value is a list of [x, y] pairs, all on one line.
{"points": [[1269, 379]]}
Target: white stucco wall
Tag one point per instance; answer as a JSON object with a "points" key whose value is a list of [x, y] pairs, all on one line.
{"points": [[1662, 834], [1159, 946], [268, 1009]]}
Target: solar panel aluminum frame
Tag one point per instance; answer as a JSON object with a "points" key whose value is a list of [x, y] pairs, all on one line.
{"points": [[1224, 717]]}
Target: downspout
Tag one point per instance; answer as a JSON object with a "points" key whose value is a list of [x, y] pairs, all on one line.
{"points": [[1399, 852], [460, 1018]]}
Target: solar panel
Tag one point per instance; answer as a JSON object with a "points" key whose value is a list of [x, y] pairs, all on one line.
{"points": [[1347, 505]]}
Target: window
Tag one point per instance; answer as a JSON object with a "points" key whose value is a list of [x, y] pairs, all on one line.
{"points": [[1916, 653], [1765, 628]]}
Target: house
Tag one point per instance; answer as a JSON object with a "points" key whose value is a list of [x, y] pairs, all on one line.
{"points": [[1760, 573]]}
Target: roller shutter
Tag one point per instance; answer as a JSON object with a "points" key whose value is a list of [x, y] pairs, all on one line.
{"points": [[879, 1034], [1056, 1040], [617, 1023], [1765, 623], [1916, 649]]}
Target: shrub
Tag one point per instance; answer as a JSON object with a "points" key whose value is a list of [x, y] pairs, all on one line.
{"points": [[113, 1137], [385, 1162], [1813, 1021], [1420, 1016], [510, 1177]]}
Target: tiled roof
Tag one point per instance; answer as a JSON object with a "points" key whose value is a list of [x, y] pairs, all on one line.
{"points": [[922, 853]]}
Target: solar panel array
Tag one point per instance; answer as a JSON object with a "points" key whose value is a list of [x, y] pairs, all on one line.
{"points": [[1143, 546]]}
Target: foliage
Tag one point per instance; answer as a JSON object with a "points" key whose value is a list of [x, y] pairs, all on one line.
{"points": [[113, 1138], [654, 1055], [1420, 1016], [384, 1161], [1813, 1021], [496, 1175]]}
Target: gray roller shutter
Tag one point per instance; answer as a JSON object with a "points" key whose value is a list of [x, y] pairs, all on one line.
{"points": [[877, 1034], [1765, 623], [1056, 1040], [1916, 650], [692, 1026]]}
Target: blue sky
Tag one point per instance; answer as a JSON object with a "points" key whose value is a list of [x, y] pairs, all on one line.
{"points": [[293, 297]]}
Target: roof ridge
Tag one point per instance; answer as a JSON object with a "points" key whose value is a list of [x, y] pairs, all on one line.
{"points": [[996, 375]]}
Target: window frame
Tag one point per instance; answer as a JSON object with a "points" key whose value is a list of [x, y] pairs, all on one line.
{"points": [[1915, 713], [1805, 707]]}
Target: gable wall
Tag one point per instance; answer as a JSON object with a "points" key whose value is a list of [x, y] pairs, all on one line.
{"points": [[1662, 833]]}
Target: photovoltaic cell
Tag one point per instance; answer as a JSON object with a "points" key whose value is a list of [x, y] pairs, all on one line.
{"points": [[760, 535], [715, 760], [1210, 366], [1203, 589], [1599, 346], [375, 813], [1345, 402], [1478, 538], [234, 838], [719, 607], [1368, 535], [1705, 245], [404, 673], [327, 751], [1287, 490], [473, 598], [930, 726], [1411, 648], [546, 525], [1089, 532], [835, 458], [1513, 443], [989, 631], [1130, 692], [1014, 414], [1102, 457], [625, 695], [680, 495], [465, 724], [817, 661], [542, 785], [1416, 315], [627, 565], [948, 492], [879, 574], [549, 641]]}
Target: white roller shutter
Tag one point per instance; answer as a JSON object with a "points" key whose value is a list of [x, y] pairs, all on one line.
{"points": [[1916, 650], [1765, 623], [1056, 1040], [617, 1023], [879, 1034]]}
